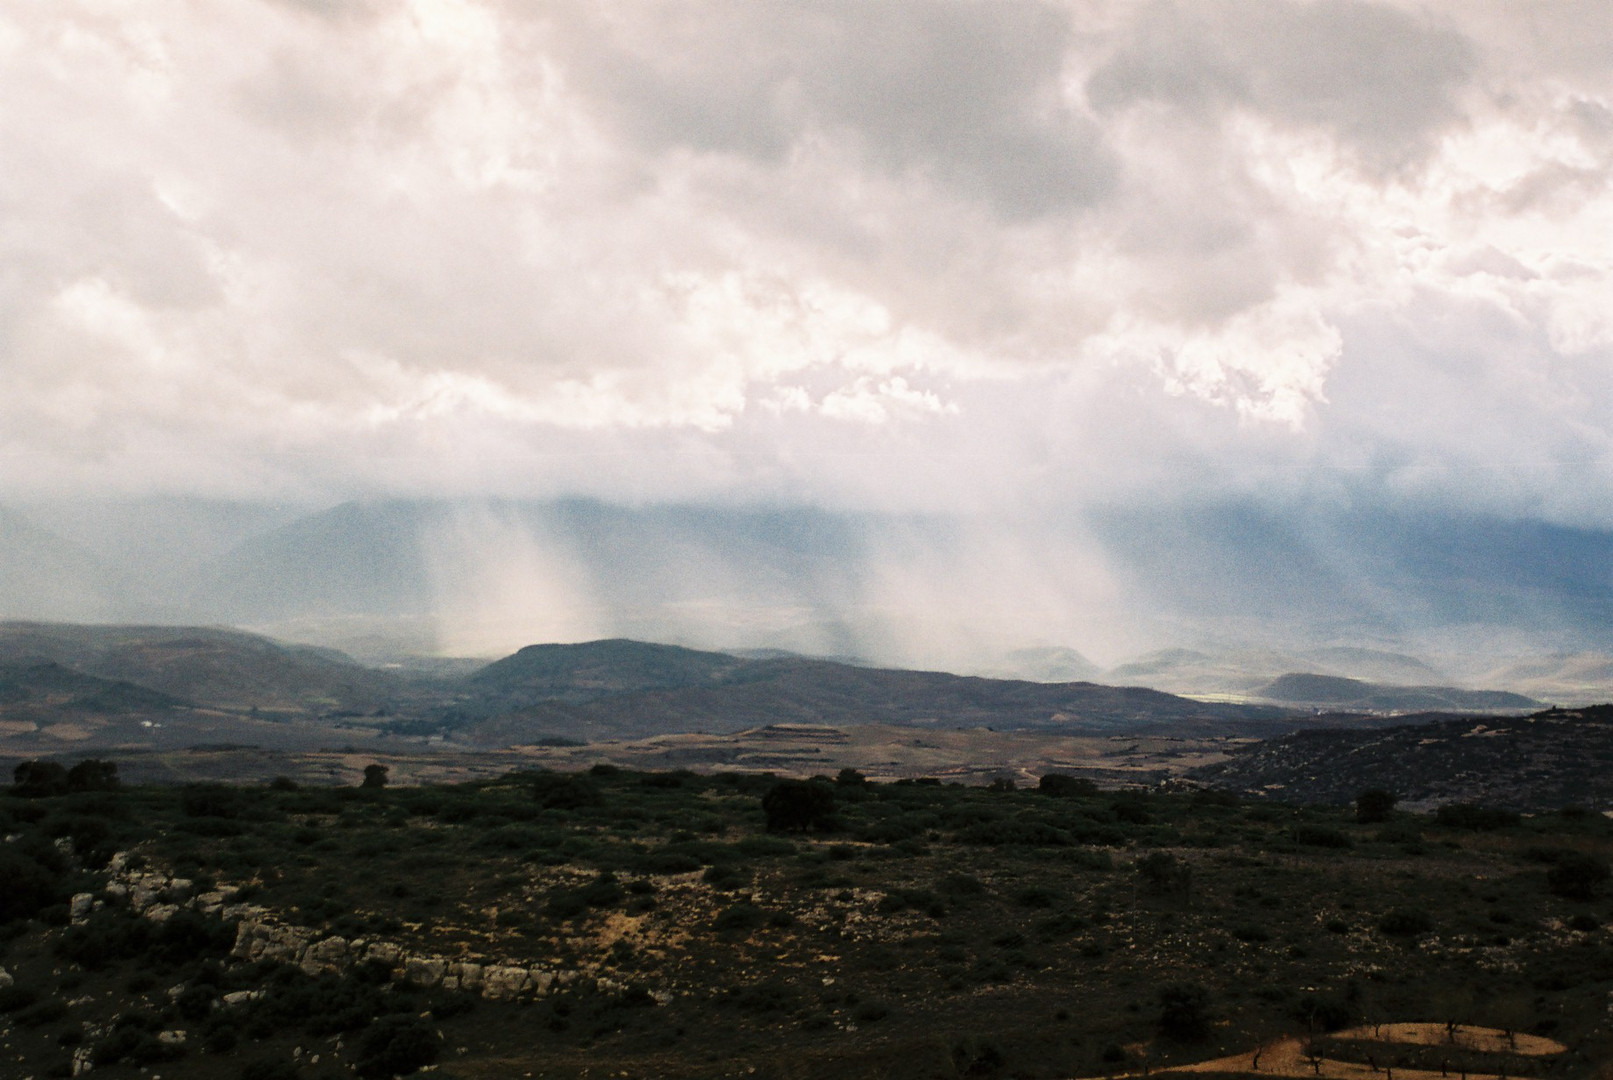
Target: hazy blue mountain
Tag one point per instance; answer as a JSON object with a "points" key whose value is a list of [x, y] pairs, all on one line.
{"points": [[1343, 695], [44, 576]]}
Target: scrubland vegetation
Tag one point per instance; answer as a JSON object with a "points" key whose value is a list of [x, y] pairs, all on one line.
{"points": [[749, 926]]}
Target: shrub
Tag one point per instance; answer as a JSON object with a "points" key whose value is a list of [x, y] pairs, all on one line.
{"points": [[209, 800], [739, 918], [1132, 812], [1184, 1013], [1036, 897], [1321, 836], [39, 779], [1066, 787], [1577, 877], [798, 805], [1374, 805], [29, 886], [561, 791], [1479, 818], [45, 1012], [1405, 922], [396, 1046], [13, 998], [1322, 1012], [1163, 874], [92, 774]]}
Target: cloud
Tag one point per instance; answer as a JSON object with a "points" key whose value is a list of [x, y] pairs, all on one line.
{"points": [[944, 256], [1382, 81]]}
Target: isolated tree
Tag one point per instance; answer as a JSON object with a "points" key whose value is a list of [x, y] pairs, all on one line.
{"points": [[849, 777], [798, 805], [375, 776], [1374, 805]]}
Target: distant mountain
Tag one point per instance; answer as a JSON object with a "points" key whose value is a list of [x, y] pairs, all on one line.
{"points": [[620, 689], [1248, 671], [43, 576], [354, 559], [1343, 695], [1045, 664], [1548, 760], [1374, 665], [205, 666], [50, 685], [598, 668]]}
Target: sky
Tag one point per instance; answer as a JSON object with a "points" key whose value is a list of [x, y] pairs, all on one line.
{"points": [[1035, 268]]}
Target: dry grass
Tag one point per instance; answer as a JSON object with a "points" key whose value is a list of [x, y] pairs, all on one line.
{"points": [[1287, 1057]]}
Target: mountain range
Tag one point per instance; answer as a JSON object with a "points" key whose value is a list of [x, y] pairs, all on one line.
{"points": [[1366, 595]]}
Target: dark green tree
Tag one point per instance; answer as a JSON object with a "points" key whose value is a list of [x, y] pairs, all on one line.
{"points": [[375, 776]]}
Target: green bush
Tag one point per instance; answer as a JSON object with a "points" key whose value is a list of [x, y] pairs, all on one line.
{"points": [[396, 1046]]}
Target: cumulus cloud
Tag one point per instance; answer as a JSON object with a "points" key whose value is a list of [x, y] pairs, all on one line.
{"points": [[941, 255]]}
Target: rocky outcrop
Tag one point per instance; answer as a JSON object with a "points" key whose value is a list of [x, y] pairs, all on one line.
{"points": [[260, 935]]}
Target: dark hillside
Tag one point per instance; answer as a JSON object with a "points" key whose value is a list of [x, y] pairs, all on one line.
{"points": [[1552, 759], [734, 695], [52, 685], [596, 668]]}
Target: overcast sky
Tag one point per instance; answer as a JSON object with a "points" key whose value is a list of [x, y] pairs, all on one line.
{"points": [[1068, 275], [924, 256]]}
